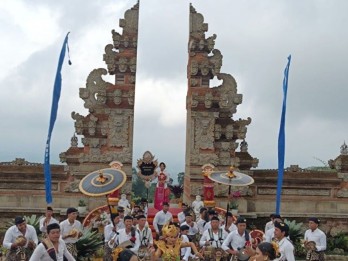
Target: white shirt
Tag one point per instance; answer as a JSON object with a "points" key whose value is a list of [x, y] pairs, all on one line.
{"points": [[200, 225], [269, 235], [193, 230], [237, 241], [40, 253], [162, 218], [269, 225], [286, 250], [145, 236], [66, 227], [218, 237], [231, 228], [181, 217], [122, 236], [207, 226], [318, 237], [108, 232], [12, 233], [185, 251], [43, 226]]}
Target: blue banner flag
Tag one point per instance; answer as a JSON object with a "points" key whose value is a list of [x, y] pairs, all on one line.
{"points": [[55, 99], [281, 139]]}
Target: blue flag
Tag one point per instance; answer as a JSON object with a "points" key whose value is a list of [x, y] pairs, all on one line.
{"points": [[55, 99], [281, 139]]}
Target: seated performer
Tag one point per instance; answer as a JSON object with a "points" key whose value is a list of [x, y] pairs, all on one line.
{"points": [[128, 234], [162, 191], [21, 239], [212, 240], [53, 247], [169, 247]]}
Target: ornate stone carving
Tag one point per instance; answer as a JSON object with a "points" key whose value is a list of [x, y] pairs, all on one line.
{"points": [[216, 61], [200, 158], [92, 124], [131, 97], [94, 94], [204, 133], [74, 141], [229, 131], [217, 132], [194, 100], [72, 185], [109, 57], [196, 189], [78, 122], [242, 129], [244, 146], [194, 68], [342, 193], [117, 96], [20, 162], [344, 149], [208, 100], [118, 130]]}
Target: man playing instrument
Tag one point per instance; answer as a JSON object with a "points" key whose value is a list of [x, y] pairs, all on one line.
{"points": [[146, 248], [21, 239], [71, 230], [318, 237]]}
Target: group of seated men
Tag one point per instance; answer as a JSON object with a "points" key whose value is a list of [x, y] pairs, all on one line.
{"points": [[215, 235]]}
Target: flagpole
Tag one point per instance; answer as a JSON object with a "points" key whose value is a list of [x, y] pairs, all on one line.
{"points": [[281, 138], [54, 109]]}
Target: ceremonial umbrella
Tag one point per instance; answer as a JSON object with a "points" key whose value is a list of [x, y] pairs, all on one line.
{"points": [[230, 178], [102, 182]]}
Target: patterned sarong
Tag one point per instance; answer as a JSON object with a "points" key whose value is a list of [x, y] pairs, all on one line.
{"points": [[72, 249], [107, 253]]}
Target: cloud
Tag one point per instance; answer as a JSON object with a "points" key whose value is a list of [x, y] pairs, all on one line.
{"points": [[255, 38]]}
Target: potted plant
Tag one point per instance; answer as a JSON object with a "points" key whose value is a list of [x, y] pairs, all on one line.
{"points": [[82, 206], [177, 191]]}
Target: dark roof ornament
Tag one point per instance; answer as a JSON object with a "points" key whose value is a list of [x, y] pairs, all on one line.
{"points": [[344, 149]]}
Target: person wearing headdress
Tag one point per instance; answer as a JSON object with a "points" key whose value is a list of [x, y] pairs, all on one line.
{"points": [[47, 219], [162, 191], [21, 239], [286, 248], [52, 247], [315, 241], [169, 247], [71, 230], [237, 240]]}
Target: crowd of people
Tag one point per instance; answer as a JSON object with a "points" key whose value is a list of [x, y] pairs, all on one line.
{"points": [[128, 236]]}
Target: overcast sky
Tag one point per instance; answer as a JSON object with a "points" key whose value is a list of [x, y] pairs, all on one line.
{"points": [[255, 38]]}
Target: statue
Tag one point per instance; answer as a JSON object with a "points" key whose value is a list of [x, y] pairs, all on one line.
{"points": [[123, 202], [197, 205]]}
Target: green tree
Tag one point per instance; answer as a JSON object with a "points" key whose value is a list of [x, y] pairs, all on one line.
{"points": [[181, 178]]}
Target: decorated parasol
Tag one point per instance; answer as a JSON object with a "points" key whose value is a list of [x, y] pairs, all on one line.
{"points": [[103, 182], [230, 178]]}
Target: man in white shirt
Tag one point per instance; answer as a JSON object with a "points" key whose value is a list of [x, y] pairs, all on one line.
{"points": [[181, 215], [229, 226], [214, 236], [19, 238], [161, 218], [71, 230], [286, 248], [238, 239], [47, 219], [109, 231], [270, 224], [314, 234], [193, 229], [269, 234], [127, 235], [202, 220], [52, 247], [185, 251]]}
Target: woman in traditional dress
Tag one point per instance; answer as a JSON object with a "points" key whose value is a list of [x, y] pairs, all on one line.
{"points": [[162, 191], [168, 248]]}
